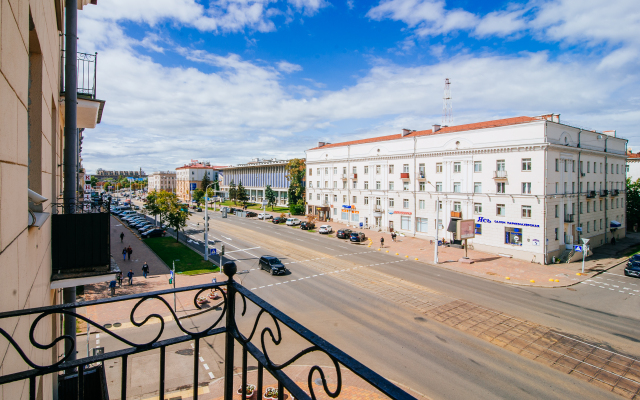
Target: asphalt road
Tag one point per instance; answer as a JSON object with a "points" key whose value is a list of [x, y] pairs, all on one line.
{"points": [[429, 357]]}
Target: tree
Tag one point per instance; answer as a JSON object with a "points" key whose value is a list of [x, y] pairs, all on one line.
{"points": [[270, 196], [198, 196], [296, 171], [233, 192], [177, 219], [633, 203], [205, 181], [152, 207], [242, 194]]}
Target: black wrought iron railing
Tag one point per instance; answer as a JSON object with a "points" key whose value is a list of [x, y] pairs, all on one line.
{"points": [[228, 313], [87, 67]]}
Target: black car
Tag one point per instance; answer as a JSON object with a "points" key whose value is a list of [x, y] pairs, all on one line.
{"points": [[272, 265], [251, 214], [343, 234], [278, 220], [307, 225], [153, 233], [199, 209], [357, 237], [632, 269], [633, 258], [146, 227]]}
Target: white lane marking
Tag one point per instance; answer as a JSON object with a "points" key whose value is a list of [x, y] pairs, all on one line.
{"points": [[97, 341], [205, 366], [211, 375], [226, 237], [253, 288], [97, 336], [201, 359], [235, 251], [270, 285], [191, 344]]}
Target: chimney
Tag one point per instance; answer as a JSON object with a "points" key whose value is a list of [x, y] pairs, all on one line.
{"points": [[610, 133], [435, 128], [320, 144], [405, 132]]}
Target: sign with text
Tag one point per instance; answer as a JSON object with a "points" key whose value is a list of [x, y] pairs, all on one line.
{"points": [[87, 178], [465, 229], [87, 187]]}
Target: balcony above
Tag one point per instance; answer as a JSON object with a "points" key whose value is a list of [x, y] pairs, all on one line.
{"points": [[591, 194], [354, 176], [604, 193], [500, 174], [421, 176], [345, 176], [404, 176], [615, 192], [89, 107], [456, 214], [569, 218]]}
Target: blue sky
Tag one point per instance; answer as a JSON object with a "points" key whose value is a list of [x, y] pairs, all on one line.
{"points": [[230, 80]]}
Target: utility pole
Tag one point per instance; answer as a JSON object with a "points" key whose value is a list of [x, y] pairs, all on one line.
{"points": [[206, 222]]}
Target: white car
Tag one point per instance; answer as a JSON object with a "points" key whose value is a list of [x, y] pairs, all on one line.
{"points": [[293, 221], [265, 216], [325, 229]]}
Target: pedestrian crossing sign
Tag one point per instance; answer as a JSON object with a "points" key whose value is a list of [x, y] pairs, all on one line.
{"points": [[577, 248]]}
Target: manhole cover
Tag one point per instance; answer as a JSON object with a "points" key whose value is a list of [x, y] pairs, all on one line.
{"points": [[185, 352], [108, 326], [117, 325]]}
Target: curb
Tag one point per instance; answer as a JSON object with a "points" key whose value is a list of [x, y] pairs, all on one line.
{"points": [[142, 241]]}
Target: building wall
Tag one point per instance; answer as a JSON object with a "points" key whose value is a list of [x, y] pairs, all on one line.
{"points": [[186, 176], [159, 181], [31, 137], [462, 166], [633, 169], [256, 177]]}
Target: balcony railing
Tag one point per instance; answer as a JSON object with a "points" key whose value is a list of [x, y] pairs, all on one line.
{"points": [[604, 193], [404, 175], [569, 217], [615, 192], [345, 176], [86, 74], [591, 194], [222, 320], [456, 214], [354, 176], [422, 175], [502, 174]]}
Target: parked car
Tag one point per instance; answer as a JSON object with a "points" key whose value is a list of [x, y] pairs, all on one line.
{"points": [[632, 269], [156, 232], [343, 233], [293, 221], [278, 220], [307, 225], [199, 209], [265, 216], [136, 207], [146, 227], [272, 265], [357, 237], [251, 214], [633, 258], [325, 229], [139, 223]]}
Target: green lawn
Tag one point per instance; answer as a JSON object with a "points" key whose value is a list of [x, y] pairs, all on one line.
{"points": [[191, 263], [255, 206]]}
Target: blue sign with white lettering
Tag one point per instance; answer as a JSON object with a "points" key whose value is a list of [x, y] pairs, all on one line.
{"points": [[577, 248], [193, 186]]}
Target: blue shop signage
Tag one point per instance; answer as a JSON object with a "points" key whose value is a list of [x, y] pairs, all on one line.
{"points": [[495, 221]]}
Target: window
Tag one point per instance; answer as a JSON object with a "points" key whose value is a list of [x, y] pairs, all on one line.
{"points": [[378, 202], [478, 229], [526, 211], [318, 171], [581, 167], [391, 168], [366, 169], [377, 169], [318, 184], [573, 187], [477, 208], [501, 165], [500, 210], [566, 165], [556, 233], [335, 184], [310, 185], [573, 165], [344, 170], [354, 184], [513, 236], [318, 196], [405, 168], [422, 186], [366, 200], [457, 187], [405, 203], [526, 164], [326, 184], [438, 186], [580, 188], [421, 204], [457, 206], [405, 185], [617, 168], [557, 209], [335, 198], [310, 172], [391, 184], [379, 185], [500, 187], [580, 208], [366, 184], [600, 223], [477, 166], [355, 199], [457, 167], [310, 196], [326, 170], [588, 167], [557, 165], [391, 203], [422, 224], [526, 187], [421, 170], [355, 216], [405, 222], [600, 167], [344, 184], [588, 224], [438, 168], [355, 170], [344, 198], [335, 170], [557, 184]]}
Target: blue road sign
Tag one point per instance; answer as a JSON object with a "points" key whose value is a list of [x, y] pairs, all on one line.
{"points": [[577, 249]]}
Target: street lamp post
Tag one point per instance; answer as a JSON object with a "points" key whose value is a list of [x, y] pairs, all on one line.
{"points": [[584, 251], [206, 222], [435, 251]]}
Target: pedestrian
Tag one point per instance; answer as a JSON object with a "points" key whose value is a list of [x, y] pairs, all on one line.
{"points": [[129, 251], [124, 254], [121, 237], [120, 278], [381, 242], [393, 236], [112, 285], [145, 269], [613, 240], [130, 276]]}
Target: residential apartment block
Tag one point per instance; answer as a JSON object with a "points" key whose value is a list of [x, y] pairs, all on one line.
{"points": [[162, 181], [255, 176], [533, 185], [189, 177]]}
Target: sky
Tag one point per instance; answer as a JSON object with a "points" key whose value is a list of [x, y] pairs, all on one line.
{"points": [[226, 81]]}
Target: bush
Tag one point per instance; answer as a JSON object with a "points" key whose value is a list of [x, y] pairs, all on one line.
{"points": [[296, 209]]}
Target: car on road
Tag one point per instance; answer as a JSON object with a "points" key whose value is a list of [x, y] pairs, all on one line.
{"points": [[632, 269], [136, 207], [293, 221], [156, 232], [278, 220], [265, 216], [251, 214], [357, 237], [307, 225], [325, 229], [199, 209], [633, 258], [146, 227], [343, 233], [272, 265]]}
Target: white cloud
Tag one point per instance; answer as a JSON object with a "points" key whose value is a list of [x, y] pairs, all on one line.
{"points": [[499, 23], [288, 68]]}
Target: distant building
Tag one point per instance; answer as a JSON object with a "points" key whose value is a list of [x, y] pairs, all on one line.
{"points": [[104, 174], [189, 177], [162, 180], [255, 176], [633, 165]]}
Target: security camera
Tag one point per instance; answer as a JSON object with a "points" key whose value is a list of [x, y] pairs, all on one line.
{"points": [[35, 198]]}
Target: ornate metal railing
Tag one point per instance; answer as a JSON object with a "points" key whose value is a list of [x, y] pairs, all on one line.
{"points": [[234, 292], [86, 71]]}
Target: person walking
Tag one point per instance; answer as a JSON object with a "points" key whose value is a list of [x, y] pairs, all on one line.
{"points": [[145, 269], [121, 237], [124, 254], [393, 236], [130, 276], [120, 278], [112, 285], [129, 251], [381, 242]]}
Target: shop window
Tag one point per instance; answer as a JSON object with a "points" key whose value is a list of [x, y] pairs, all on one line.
{"points": [[344, 215], [422, 225], [513, 236], [355, 217], [478, 229], [405, 222]]}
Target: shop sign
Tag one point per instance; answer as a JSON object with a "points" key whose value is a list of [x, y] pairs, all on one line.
{"points": [[402, 212], [495, 221], [536, 242], [346, 206]]}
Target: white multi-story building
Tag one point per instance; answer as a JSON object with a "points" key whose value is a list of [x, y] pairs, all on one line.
{"points": [[189, 177], [633, 165], [162, 181], [533, 186], [255, 176]]}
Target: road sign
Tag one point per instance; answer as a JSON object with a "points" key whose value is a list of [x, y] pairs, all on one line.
{"points": [[87, 187], [579, 229], [87, 178], [577, 248]]}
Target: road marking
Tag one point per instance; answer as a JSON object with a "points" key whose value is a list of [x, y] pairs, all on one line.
{"points": [[97, 336], [211, 375], [270, 285], [226, 237], [260, 287], [235, 251], [205, 366], [97, 341]]}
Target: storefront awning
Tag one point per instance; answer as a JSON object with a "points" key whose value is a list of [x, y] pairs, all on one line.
{"points": [[615, 224], [452, 226]]}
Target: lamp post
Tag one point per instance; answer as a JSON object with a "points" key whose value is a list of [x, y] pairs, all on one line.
{"points": [[206, 222], [584, 251], [173, 280], [435, 251]]}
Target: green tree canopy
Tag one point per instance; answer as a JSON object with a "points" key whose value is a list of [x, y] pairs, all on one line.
{"points": [[233, 192], [296, 171], [633, 202], [205, 181], [198, 196], [270, 196], [242, 194]]}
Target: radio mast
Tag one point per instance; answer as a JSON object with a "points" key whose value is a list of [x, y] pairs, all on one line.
{"points": [[447, 108]]}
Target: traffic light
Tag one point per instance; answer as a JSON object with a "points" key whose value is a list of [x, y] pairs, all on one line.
{"points": [[222, 250]]}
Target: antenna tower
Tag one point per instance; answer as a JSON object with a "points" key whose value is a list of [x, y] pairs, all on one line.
{"points": [[447, 108]]}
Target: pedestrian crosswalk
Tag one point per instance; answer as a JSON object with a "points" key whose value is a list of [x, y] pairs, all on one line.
{"points": [[623, 284]]}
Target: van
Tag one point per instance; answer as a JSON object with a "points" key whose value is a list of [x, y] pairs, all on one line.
{"points": [[293, 221]]}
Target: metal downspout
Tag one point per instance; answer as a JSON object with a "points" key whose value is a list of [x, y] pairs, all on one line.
{"points": [[415, 176], [605, 188], [579, 191]]}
